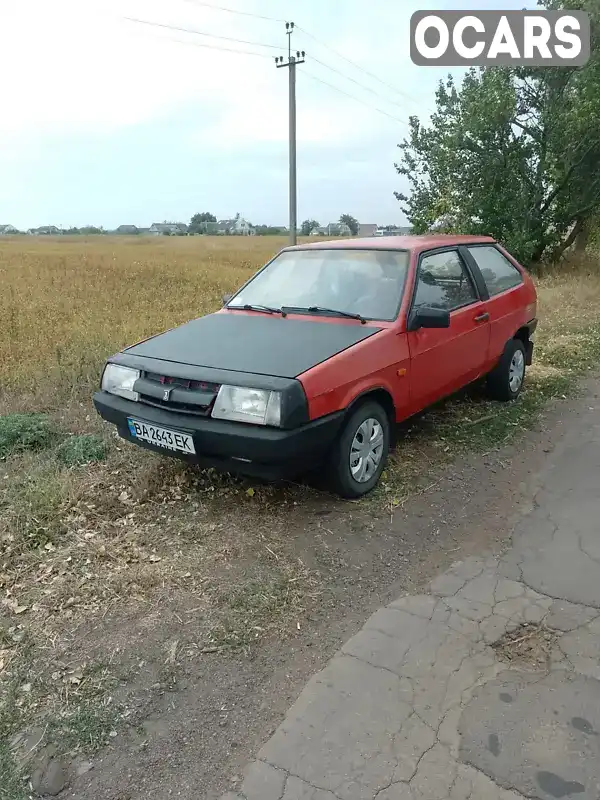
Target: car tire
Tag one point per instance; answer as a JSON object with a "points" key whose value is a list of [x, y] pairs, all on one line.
{"points": [[353, 476], [506, 379]]}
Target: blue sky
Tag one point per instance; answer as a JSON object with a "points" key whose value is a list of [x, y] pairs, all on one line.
{"points": [[106, 121]]}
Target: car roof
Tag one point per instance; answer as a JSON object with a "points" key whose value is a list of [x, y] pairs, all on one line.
{"points": [[414, 243]]}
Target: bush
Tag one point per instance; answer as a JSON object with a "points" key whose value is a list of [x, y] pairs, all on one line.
{"points": [[21, 432], [78, 450]]}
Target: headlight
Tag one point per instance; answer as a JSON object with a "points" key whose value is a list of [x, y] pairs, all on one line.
{"points": [[260, 406], [120, 380]]}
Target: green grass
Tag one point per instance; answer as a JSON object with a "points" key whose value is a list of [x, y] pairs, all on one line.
{"points": [[22, 432], [12, 785], [257, 605], [34, 504], [86, 728], [78, 450], [74, 717]]}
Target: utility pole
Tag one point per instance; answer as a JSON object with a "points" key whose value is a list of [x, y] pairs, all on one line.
{"points": [[290, 64]]}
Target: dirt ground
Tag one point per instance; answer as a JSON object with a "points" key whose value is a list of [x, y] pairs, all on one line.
{"points": [[197, 717]]}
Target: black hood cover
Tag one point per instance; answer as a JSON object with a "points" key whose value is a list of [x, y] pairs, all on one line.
{"points": [[263, 345]]}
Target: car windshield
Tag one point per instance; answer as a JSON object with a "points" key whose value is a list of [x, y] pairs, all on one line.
{"points": [[364, 282]]}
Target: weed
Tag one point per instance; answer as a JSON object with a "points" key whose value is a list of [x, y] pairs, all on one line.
{"points": [[257, 605], [87, 727], [83, 449], [33, 506], [12, 786], [71, 708], [11, 719], [22, 432]]}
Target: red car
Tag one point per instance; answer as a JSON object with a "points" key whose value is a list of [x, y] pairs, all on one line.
{"points": [[312, 362]]}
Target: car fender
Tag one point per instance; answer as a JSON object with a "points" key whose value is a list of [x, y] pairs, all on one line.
{"points": [[380, 362], [360, 392]]}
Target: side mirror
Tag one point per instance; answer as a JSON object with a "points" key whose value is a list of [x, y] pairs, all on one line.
{"points": [[429, 318], [226, 298]]}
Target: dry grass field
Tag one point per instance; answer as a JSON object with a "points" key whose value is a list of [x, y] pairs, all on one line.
{"points": [[67, 303], [93, 529]]}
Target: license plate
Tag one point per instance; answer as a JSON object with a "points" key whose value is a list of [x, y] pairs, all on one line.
{"points": [[162, 437]]}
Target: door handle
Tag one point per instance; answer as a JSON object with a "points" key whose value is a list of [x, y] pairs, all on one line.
{"points": [[482, 317]]}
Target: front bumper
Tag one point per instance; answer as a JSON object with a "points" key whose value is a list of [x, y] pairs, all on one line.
{"points": [[254, 450]]}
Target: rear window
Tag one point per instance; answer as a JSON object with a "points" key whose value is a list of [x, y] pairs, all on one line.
{"points": [[498, 273]]}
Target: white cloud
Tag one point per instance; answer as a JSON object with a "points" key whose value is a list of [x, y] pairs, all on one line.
{"points": [[263, 118], [78, 79], [83, 67]]}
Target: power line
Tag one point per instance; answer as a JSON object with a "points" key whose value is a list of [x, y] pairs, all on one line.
{"points": [[354, 64], [310, 36], [353, 97], [233, 11], [358, 83], [217, 47], [273, 47], [201, 33]]}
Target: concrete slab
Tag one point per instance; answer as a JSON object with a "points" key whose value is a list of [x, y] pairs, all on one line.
{"points": [[540, 737], [557, 548]]}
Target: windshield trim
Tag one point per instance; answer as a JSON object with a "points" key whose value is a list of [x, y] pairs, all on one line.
{"points": [[313, 248]]}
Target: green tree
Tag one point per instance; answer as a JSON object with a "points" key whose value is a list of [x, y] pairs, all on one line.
{"points": [[307, 226], [352, 223], [198, 223], [204, 217], [512, 152]]}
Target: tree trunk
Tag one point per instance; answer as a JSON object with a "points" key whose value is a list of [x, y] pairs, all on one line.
{"points": [[537, 254], [576, 230], [582, 239]]}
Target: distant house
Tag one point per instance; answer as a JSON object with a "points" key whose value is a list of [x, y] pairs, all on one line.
{"points": [[238, 226], [45, 230], [128, 230], [8, 230], [394, 230], [168, 229], [333, 229], [367, 228]]}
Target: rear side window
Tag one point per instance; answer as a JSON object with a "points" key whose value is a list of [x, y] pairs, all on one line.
{"points": [[443, 282], [498, 273]]}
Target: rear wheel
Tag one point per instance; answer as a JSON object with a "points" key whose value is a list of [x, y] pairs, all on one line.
{"points": [[360, 454], [506, 379]]}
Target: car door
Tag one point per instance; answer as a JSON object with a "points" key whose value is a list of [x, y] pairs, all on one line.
{"points": [[507, 292], [445, 359]]}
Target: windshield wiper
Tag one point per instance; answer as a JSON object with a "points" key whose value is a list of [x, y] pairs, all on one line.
{"points": [[323, 310], [257, 307]]}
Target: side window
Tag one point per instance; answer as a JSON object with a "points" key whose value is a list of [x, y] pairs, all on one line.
{"points": [[498, 273], [443, 282]]}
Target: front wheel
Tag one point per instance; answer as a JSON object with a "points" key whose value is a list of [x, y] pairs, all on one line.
{"points": [[361, 452], [506, 379]]}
